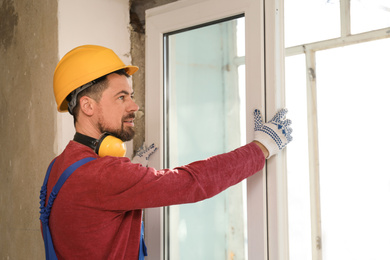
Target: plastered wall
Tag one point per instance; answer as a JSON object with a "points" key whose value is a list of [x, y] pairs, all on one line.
{"points": [[28, 54], [99, 22]]}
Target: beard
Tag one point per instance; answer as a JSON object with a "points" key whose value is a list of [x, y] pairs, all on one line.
{"points": [[123, 133]]}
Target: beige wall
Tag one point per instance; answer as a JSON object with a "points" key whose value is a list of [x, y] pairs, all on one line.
{"points": [[28, 55], [100, 22]]}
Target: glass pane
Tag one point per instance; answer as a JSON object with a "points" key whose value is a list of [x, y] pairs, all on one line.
{"points": [[297, 161], [205, 105], [354, 175], [368, 15], [240, 36], [309, 21]]}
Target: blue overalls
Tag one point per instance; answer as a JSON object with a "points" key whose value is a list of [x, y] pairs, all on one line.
{"points": [[45, 211]]}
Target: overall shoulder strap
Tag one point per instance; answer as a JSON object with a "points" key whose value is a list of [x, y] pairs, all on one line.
{"points": [[143, 251], [45, 211], [66, 174]]}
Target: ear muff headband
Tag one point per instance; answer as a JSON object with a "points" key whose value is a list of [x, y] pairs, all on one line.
{"points": [[106, 145]]}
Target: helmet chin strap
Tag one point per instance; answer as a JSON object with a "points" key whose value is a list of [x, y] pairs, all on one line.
{"points": [[106, 145], [73, 96]]}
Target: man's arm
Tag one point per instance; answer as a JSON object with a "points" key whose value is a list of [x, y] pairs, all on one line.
{"points": [[262, 147]]}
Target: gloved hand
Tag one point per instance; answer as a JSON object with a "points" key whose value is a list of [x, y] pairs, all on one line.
{"points": [[275, 134], [143, 154]]}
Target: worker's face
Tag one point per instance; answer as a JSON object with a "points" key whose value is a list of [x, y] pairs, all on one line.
{"points": [[116, 109]]}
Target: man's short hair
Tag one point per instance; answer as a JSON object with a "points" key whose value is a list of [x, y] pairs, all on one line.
{"points": [[93, 89]]}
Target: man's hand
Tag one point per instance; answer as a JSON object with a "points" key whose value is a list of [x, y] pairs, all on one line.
{"points": [[275, 134], [143, 154]]}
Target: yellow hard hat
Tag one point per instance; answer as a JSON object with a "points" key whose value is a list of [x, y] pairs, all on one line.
{"points": [[82, 65]]}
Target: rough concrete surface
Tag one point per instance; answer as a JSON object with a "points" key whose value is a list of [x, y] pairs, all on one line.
{"points": [[137, 52], [28, 55]]}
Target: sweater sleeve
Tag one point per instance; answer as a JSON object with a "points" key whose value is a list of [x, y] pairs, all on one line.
{"points": [[127, 186]]}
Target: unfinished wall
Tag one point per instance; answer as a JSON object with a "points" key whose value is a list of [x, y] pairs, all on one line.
{"points": [[28, 55], [137, 21]]}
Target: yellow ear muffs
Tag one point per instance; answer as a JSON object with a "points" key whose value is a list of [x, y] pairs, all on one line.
{"points": [[107, 145], [110, 146]]}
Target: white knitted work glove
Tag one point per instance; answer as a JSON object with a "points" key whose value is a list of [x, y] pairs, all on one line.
{"points": [[275, 134], [143, 154]]}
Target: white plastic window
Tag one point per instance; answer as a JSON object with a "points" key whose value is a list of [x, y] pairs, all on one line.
{"points": [[182, 15]]}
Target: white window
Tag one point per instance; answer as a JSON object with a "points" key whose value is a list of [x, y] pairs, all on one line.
{"points": [[207, 57]]}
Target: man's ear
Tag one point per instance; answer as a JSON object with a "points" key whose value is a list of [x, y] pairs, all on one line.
{"points": [[87, 105]]}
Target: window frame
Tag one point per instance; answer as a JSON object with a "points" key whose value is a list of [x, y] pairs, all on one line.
{"points": [[266, 192]]}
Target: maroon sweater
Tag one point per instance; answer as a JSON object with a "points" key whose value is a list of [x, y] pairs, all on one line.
{"points": [[97, 213]]}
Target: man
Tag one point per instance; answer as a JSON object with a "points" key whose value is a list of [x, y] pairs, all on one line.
{"points": [[98, 211]]}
